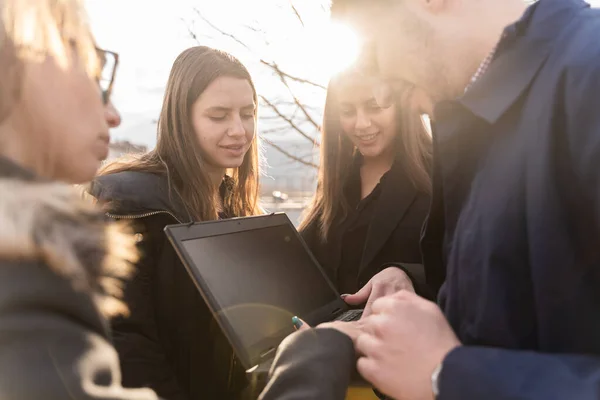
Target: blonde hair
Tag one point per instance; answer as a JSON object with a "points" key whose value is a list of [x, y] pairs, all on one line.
{"points": [[31, 31]]}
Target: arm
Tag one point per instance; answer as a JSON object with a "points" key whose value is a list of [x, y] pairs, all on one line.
{"points": [[580, 139], [312, 364], [52, 344], [486, 373], [144, 361]]}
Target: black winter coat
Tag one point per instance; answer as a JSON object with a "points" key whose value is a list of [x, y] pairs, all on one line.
{"points": [[170, 342]]}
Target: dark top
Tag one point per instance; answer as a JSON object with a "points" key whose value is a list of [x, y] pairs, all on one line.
{"points": [[515, 218], [170, 342], [54, 339], [354, 230], [380, 230]]}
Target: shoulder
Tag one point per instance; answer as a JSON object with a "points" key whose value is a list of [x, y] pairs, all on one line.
{"points": [[577, 46], [50, 231], [133, 192], [127, 185]]}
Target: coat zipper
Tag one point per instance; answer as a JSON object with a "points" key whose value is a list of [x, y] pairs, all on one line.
{"points": [[148, 214]]}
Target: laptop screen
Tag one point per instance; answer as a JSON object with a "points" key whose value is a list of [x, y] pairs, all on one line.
{"points": [[260, 279]]}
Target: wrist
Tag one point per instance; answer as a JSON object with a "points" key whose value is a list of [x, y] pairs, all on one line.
{"points": [[435, 388]]}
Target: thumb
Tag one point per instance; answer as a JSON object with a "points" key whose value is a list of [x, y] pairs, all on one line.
{"points": [[359, 297]]}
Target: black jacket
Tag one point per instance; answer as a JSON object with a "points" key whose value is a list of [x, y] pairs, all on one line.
{"points": [[170, 342], [393, 234], [57, 255]]}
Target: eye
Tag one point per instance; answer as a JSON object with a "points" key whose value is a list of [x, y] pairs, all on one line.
{"points": [[373, 107], [347, 112], [248, 116], [217, 117]]}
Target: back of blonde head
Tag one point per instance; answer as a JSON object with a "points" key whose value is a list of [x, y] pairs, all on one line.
{"points": [[32, 30]]}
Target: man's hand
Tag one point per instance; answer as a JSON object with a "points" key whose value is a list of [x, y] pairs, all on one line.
{"points": [[402, 343], [387, 282]]}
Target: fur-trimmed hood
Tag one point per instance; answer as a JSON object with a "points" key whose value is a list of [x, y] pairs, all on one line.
{"points": [[54, 224]]}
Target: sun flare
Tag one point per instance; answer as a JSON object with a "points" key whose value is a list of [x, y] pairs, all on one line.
{"points": [[338, 47]]}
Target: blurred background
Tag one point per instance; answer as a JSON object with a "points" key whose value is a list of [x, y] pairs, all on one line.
{"points": [[290, 48]]}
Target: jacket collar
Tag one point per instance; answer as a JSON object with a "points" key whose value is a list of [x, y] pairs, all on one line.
{"points": [[9, 169], [133, 194], [521, 53], [52, 223]]}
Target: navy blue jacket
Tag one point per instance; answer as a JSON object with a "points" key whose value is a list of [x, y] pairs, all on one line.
{"points": [[514, 227]]}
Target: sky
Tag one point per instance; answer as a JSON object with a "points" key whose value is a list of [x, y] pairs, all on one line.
{"points": [[148, 35]]}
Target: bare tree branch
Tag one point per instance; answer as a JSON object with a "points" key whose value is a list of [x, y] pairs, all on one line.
{"points": [[297, 13], [190, 30], [273, 130], [286, 103], [288, 120], [296, 101], [290, 155], [276, 68], [222, 32]]}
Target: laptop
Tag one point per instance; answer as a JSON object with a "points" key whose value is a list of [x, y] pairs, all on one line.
{"points": [[255, 274]]}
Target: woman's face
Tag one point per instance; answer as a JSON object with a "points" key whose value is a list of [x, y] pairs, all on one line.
{"points": [[370, 128], [61, 112], [223, 118]]}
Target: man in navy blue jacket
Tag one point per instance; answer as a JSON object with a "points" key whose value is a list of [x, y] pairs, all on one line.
{"points": [[514, 227]]}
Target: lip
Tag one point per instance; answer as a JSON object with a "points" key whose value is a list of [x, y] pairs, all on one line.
{"points": [[235, 149], [367, 139]]}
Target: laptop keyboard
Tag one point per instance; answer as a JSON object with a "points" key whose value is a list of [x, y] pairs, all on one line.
{"points": [[352, 315]]}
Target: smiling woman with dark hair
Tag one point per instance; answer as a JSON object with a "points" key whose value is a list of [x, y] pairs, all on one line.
{"points": [[373, 193]]}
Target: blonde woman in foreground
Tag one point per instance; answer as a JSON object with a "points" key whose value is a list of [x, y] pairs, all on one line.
{"points": [[60, 263]]}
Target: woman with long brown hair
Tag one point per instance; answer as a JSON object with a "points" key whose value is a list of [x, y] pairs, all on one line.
{"points": [[373, 191], [61, 263], [204, 167]]}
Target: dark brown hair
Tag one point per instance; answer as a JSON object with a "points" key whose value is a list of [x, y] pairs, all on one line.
{"points": [[177, 154]]}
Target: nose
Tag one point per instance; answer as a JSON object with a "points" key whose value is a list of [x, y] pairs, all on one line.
{"points": [[112, 116], [363, 121], [237, 128]]}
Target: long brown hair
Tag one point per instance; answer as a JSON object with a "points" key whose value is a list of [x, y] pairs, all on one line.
{"points": [[177, 154], [413, 146]]}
